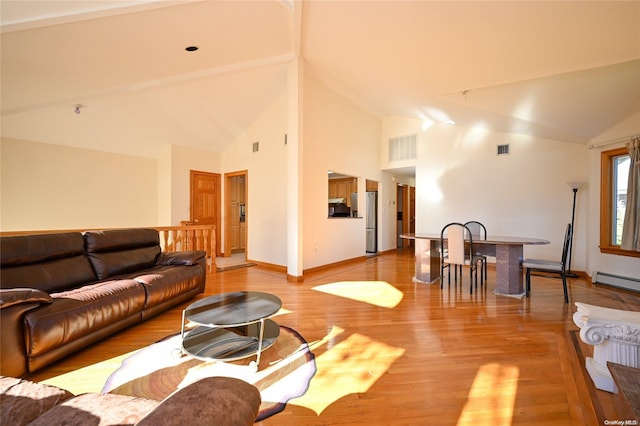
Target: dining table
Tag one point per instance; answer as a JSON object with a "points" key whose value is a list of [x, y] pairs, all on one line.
{"points": [[508, 251]]}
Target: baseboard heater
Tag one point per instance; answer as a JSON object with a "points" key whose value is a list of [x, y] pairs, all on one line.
{"points": [[626, 283]]}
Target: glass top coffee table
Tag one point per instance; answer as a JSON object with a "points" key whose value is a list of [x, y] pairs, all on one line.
{"points": [[231, 326]]}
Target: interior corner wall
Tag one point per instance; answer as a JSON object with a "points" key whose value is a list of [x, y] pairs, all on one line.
{"points": [[267, 182], [387, 212], [45, 186], [295, 167], [598, 262], [342, 137]]}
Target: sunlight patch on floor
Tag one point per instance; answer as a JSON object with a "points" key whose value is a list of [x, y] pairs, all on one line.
{"points": [[90, 378], [378, 293], [492, 396], [351, 366]]}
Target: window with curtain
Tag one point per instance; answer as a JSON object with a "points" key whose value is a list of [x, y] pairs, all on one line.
{"points": [[620, 200]]}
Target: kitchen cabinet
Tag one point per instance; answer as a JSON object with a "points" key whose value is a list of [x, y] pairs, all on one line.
{"points": [[343, 188]]}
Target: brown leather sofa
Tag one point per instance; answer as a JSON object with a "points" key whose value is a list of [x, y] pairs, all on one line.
{"points": [[222, 401], [62, 292]]}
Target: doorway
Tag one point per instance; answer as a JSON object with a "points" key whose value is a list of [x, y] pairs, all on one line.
{"points": [[371, 217], [406, 214], [205, 200], [236, 214]]}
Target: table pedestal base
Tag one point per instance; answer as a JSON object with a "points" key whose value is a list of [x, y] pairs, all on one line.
{"points": [[427, 261], [509, 280]]}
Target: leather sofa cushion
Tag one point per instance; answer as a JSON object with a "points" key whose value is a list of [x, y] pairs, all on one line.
{"points": [[98, 409], [47, 262], [181, 257], [121, 251], [229, 402], [77, 313], [107, 265], [25, 249], [22, 401], [221, 401], [18, 296], [50, 277], [166, 282]]}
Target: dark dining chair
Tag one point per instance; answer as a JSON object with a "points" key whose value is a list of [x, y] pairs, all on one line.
{"points": [[479, 232], [457, 251], [545, 267]]}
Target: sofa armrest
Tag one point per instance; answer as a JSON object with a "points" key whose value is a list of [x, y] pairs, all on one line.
{"points": [[16, 296], [221, 401], [13, 304], [181, 257]]}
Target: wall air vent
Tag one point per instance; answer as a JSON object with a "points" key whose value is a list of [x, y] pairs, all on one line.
{"points": [[403, 148], [503, 149], [256, 146]]}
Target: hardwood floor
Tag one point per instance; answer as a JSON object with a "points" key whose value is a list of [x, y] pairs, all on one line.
{"points": [[390, 351]]}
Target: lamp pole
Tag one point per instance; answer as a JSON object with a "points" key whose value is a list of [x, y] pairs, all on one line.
{"points": [[574, 187]]}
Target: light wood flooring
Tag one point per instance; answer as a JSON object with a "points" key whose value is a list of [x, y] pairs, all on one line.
{"points": [[390, 351]]}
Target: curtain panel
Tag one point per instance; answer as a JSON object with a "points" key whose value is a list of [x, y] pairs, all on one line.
{"points": [[631, 224]]}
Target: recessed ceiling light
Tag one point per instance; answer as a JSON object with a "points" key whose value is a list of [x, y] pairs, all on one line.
{"points": [[191, 48]]}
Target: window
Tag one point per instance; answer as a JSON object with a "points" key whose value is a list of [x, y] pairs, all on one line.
{"points": [[613, 197]]}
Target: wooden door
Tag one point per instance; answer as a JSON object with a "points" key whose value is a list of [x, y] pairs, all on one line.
{"points": [[235, 220], [205, 201], [406, 208], [236, 213]]}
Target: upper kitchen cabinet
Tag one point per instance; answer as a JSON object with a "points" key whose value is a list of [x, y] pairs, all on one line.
{"points": [[343, 195]]}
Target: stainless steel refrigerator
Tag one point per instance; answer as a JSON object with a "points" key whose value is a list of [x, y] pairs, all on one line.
{"points": [[372, 221]]}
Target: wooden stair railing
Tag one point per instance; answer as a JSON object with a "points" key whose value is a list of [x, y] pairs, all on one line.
{"points": [[190, 237], [172, 238]]}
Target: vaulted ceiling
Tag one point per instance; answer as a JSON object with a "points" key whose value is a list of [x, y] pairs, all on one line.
{"points": [[560, 70]]}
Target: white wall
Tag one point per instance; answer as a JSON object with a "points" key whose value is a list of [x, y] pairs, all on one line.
{"points": [[459, 177], [47, 186], [81, 188], [183, 160], [598, 262], [337, 136], [174, 187], [267, 182]]}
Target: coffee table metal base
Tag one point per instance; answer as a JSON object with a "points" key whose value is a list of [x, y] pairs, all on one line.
{"points": [[229, 343]]}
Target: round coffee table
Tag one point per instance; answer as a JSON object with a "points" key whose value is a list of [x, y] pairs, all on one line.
{"points": [[231, 326]]}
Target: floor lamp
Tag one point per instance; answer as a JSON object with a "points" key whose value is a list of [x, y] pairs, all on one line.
{"points": [[574, 187]]}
